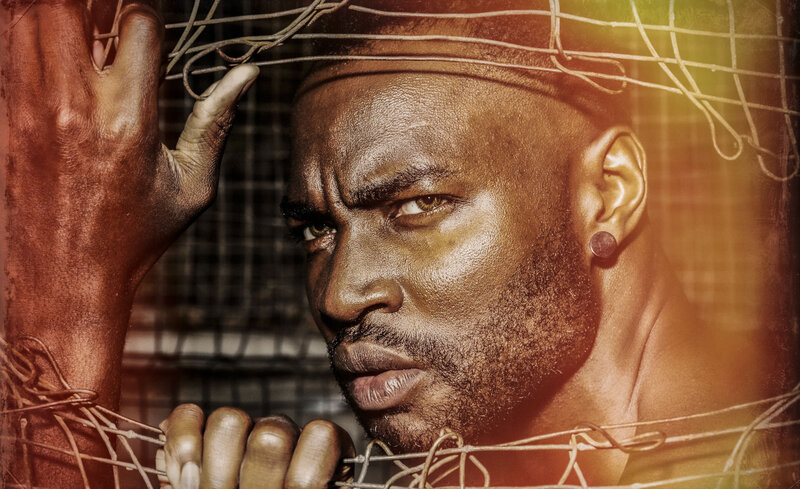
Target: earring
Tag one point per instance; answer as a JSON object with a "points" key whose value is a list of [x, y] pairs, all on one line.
{"points": [[603, 244]]}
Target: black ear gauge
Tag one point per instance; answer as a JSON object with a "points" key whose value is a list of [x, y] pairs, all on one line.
{"points": [[603, 244]]}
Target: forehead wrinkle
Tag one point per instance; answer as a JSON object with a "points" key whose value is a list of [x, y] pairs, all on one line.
{"points": [[300, 189], [386, 149], [354, 129], [331, 187], [382, 126]]}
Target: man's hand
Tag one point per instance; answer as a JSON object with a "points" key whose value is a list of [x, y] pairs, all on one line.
{"points": [[272, 453], [92, 196], [92, 191]]}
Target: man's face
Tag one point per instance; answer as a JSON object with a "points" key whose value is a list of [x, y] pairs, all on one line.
{"points": [[442, 267]]}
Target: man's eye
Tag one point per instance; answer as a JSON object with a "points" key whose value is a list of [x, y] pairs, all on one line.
{"points": [[420, 205], [316, 230]]}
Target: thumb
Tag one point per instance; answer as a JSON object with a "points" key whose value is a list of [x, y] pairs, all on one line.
{"points": [[200, 144]]}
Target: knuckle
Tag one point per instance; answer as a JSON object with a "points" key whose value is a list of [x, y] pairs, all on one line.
{"points": [[229, 418], [69, 119], [186, 412], [267, 440], [219, 123], [183, 445], [128, 126], [142, 17], [179, 441], [285, 422], [225, 121], [322, 429], [273, 434], [188, 409]]}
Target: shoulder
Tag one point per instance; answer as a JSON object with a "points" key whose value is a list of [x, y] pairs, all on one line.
{"points": [[705, 369], [707, 383]]}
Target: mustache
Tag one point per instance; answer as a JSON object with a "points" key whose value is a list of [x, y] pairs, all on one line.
{"points": [[370, 331]]}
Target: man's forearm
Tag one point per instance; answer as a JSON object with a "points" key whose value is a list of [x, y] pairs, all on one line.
{"points": [[84, 331], [84, 334], [92, 199]]}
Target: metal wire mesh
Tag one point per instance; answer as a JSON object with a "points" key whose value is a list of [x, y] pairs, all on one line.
{"points": [[697, 193], [679, 70], [220, 320], [228, 292], [27, 391]]}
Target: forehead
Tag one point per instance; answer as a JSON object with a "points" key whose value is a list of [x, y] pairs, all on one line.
{"points": [[351, 122]]}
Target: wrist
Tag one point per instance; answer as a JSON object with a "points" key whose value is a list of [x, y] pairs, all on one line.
{"points": [[64, 286], [82, 323], [65, 306]]}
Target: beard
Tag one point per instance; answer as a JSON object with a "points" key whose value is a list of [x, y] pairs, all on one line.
{"points": [[492, 375]]}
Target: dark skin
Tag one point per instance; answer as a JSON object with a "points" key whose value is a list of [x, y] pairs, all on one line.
{"points": [[93, 216], [450, 230], [647, 333]]}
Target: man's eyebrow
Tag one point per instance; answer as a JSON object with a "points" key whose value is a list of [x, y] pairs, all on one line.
{"points": [[375, 192], [384, 190], [301, 211]]}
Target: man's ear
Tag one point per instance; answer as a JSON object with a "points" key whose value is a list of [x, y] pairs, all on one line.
{"points": [[610, 182]]}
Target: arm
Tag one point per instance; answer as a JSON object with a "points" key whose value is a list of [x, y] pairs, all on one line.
{"points": [[92, 196]]}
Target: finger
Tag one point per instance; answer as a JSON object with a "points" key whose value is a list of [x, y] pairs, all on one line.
{"points": [[24, 68], [223, 448], [64, 38], [98, 54], [98, 51], [184, 444], [318, 454], [161, 466], [138, 60], [208, 90], [269, 451], [203, 137]]}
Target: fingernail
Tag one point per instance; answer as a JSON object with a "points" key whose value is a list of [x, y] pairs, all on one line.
{"points": [[245, 88], [161, 460], [247, 85], [190, 476]]}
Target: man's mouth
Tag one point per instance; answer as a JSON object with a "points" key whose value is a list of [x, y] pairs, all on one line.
{"points": [[376, 377]]}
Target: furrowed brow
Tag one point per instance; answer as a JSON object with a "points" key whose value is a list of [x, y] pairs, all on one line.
{"points": [[382, 191], [301, 211]]}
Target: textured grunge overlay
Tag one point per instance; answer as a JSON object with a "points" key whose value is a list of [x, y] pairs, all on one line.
{"points": [[746, 112]]}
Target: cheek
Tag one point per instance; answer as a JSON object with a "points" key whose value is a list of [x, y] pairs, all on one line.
{"points": [[458, 271], [314, 282]]}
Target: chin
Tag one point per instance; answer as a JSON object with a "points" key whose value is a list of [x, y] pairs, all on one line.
{"points": [[402, 431]]}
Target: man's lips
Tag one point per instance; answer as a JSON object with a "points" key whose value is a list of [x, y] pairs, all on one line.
{"points": [[376, 377]]}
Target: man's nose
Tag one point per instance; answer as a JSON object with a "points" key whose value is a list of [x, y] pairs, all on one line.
{"points": [[361, 278]]}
